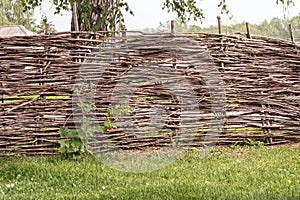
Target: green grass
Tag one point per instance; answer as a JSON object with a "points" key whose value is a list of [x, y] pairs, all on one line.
{"points": [[226, 173]]}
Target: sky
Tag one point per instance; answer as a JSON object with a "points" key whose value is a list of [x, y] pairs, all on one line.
{"points": [[149, 13]]}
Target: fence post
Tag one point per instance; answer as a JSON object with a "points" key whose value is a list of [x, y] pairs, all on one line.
{"points": [[172, 27], [75, 18], [248, 30], [219, 24], [2, 97], [291, 33], [221, 39], [46, 29], [124, 34]]}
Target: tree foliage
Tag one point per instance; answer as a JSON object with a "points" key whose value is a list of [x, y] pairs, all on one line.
{"points": [[92, 15], [45, 26], [11, 13], [101, 15], [185, 9], [106, 14]]}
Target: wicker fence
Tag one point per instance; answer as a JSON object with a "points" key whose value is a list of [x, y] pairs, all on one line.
{"points": [[260, 77]]}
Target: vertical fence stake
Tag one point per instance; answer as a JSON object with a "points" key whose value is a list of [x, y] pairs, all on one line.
{"points": [[2, 97], [75, 18], [266, 122], [46, 29], [291, 33], [221, 40], [124, 34], [172, 26], [219, 24], [248, 30]]}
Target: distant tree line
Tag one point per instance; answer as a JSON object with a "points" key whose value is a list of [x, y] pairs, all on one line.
{"points": [[277, 28]]}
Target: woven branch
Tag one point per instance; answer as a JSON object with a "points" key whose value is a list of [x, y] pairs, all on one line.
{"points": [[37, 73]]}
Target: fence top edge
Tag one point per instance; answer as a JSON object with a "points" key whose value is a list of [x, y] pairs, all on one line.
{"points": [[85, 34]]}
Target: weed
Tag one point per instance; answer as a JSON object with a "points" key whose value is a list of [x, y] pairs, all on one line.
{"points": [[254, 143], [72, 146]]}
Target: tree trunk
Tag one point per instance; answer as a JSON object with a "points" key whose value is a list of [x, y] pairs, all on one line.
{"points": [[95, 15]]}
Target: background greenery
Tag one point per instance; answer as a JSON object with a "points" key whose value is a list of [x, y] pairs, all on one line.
{"points": [[277, 28], [11, 13]]}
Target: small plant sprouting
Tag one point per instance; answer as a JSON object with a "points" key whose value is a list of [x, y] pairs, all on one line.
{"points": [[74, 144], [108, 123], [254, 143]]}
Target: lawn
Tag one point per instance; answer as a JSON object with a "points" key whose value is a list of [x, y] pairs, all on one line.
{"points": [[226, 173]]}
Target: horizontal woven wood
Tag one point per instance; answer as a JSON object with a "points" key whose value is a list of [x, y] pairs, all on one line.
{"points": [[260, 77]]}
